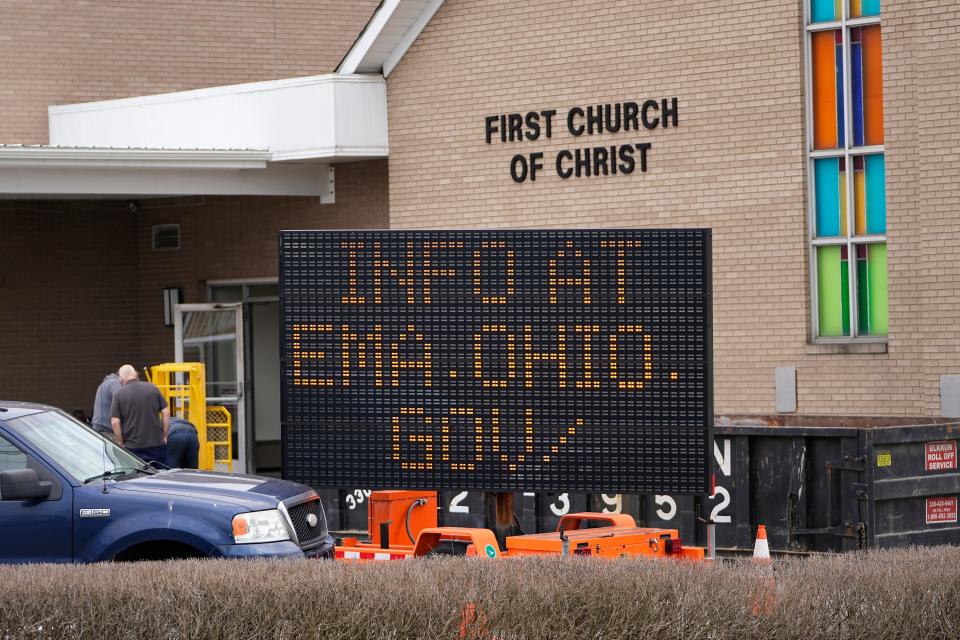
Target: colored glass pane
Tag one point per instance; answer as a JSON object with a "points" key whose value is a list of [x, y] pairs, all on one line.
{"points": [[827, 84], [833, 290], [856, 85], [877, 288], [876, 194], [869, 188], [863, 292], [864, 8], [872, 289], [824, 10], [830, 186], [872, 79], [859, 197]]}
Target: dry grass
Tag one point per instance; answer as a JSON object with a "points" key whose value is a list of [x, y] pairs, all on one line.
{"points": [[904, 594]]}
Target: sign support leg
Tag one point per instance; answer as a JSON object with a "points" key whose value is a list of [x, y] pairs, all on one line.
{"points": [[499, 512]]}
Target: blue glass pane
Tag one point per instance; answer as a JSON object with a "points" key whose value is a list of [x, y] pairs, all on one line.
{"points": [[876, 194], [827, 187], [869, 7], [856, 72], [823, 11]]}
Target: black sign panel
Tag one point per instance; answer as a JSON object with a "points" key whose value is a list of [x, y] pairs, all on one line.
{"points": [[497, 360]]}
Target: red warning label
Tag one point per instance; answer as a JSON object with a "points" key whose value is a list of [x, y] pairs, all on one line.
{"points": [[941, 510], [941, 455]]}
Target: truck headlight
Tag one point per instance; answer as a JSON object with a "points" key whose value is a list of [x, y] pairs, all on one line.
{"points": [[259, 526]]}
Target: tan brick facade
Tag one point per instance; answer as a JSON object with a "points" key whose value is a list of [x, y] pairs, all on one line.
{"points": [[55, 52], [736, 163]]}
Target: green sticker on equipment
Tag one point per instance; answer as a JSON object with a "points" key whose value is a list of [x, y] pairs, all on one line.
{"points": [[884, 459], [491, 552]]}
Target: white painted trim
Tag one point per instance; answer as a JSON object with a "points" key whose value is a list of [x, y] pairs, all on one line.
{"points": [[211, 92], [99, 180], [356, 58], [411, 36], [331, 154], [368, 38], [317, 119], [158, 158]]}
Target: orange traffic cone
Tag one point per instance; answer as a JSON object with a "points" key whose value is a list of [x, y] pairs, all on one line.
{"points": [[765, 597], [761, 550]]}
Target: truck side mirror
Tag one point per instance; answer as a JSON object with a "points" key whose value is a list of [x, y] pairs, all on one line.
{"points": [[23, 484]]}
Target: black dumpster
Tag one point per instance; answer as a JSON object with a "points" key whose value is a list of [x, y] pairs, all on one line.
{"points": [[815, 488]]}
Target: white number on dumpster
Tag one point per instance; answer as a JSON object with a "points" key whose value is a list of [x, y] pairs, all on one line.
{"points": [[564, 507], [456, 507], [356, 498], [670, 511], [614, 503]]}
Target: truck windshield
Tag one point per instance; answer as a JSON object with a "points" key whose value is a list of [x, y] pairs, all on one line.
{"points": [[76, 448]]}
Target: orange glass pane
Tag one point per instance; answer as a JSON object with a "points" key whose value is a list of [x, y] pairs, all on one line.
{"points": [[872, 86], [824, 90]]}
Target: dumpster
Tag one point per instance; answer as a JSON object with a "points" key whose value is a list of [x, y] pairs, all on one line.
{"points": [[816, 488]]}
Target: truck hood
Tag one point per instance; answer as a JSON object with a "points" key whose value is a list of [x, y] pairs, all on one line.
{"points": [[254, 493]]}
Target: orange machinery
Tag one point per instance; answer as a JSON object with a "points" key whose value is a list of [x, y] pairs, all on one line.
{"points": [[403, 525]]}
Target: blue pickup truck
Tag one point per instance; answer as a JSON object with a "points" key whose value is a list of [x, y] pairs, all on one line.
{"points": [[69, 495]]}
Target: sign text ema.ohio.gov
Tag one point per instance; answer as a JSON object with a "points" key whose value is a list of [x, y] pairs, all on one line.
{"points": [[498, 360]]}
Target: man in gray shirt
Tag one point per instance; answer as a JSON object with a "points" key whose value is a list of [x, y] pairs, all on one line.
{"points": [[140, 417], [102, 404]]}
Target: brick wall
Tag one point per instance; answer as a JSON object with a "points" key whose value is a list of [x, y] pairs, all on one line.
{"points": [[61, 52], [80, 286], [736, 163], [68, 299], [229, 238]]}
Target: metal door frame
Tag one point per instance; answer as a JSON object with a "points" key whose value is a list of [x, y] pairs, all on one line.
{"points": [[240, 339]]}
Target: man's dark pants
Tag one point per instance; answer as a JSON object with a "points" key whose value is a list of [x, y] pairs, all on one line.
{"points": [[151, 454], [183, 448]]}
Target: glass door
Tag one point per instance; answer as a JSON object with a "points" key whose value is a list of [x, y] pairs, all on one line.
{"points": [[213, 334]]}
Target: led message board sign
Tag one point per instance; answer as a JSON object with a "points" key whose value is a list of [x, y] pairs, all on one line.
{"points": [[497, 360]]}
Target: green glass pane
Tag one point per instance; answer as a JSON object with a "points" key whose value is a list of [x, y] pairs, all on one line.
{"points": [[832, 292], [845, 296], [877, 288], [863, 295]]}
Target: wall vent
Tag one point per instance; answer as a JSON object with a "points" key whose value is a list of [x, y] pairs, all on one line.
{"points": [[166, 237]]}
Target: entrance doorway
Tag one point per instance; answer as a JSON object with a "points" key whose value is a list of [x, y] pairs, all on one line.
{"points": [[214, 335], [259, 300]]}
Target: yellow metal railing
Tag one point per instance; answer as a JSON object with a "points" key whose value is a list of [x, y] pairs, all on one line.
{"points": [[184, 386], [219, 443]]}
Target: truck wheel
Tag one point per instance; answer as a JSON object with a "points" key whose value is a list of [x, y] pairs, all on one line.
{"points": [[158, 550]]}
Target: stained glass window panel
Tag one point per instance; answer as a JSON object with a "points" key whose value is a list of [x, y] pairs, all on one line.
{"points": [[864, 8], [834, 291], [866, 85], [872, 289], [872, 85], [824, 10], [828, 118], [830, 186], [869, 188]]}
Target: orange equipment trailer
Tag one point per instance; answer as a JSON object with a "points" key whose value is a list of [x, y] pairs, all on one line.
{"points": [[403, 525]]}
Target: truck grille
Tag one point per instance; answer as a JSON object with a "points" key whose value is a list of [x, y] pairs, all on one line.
{"points": [[299, 514]]}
